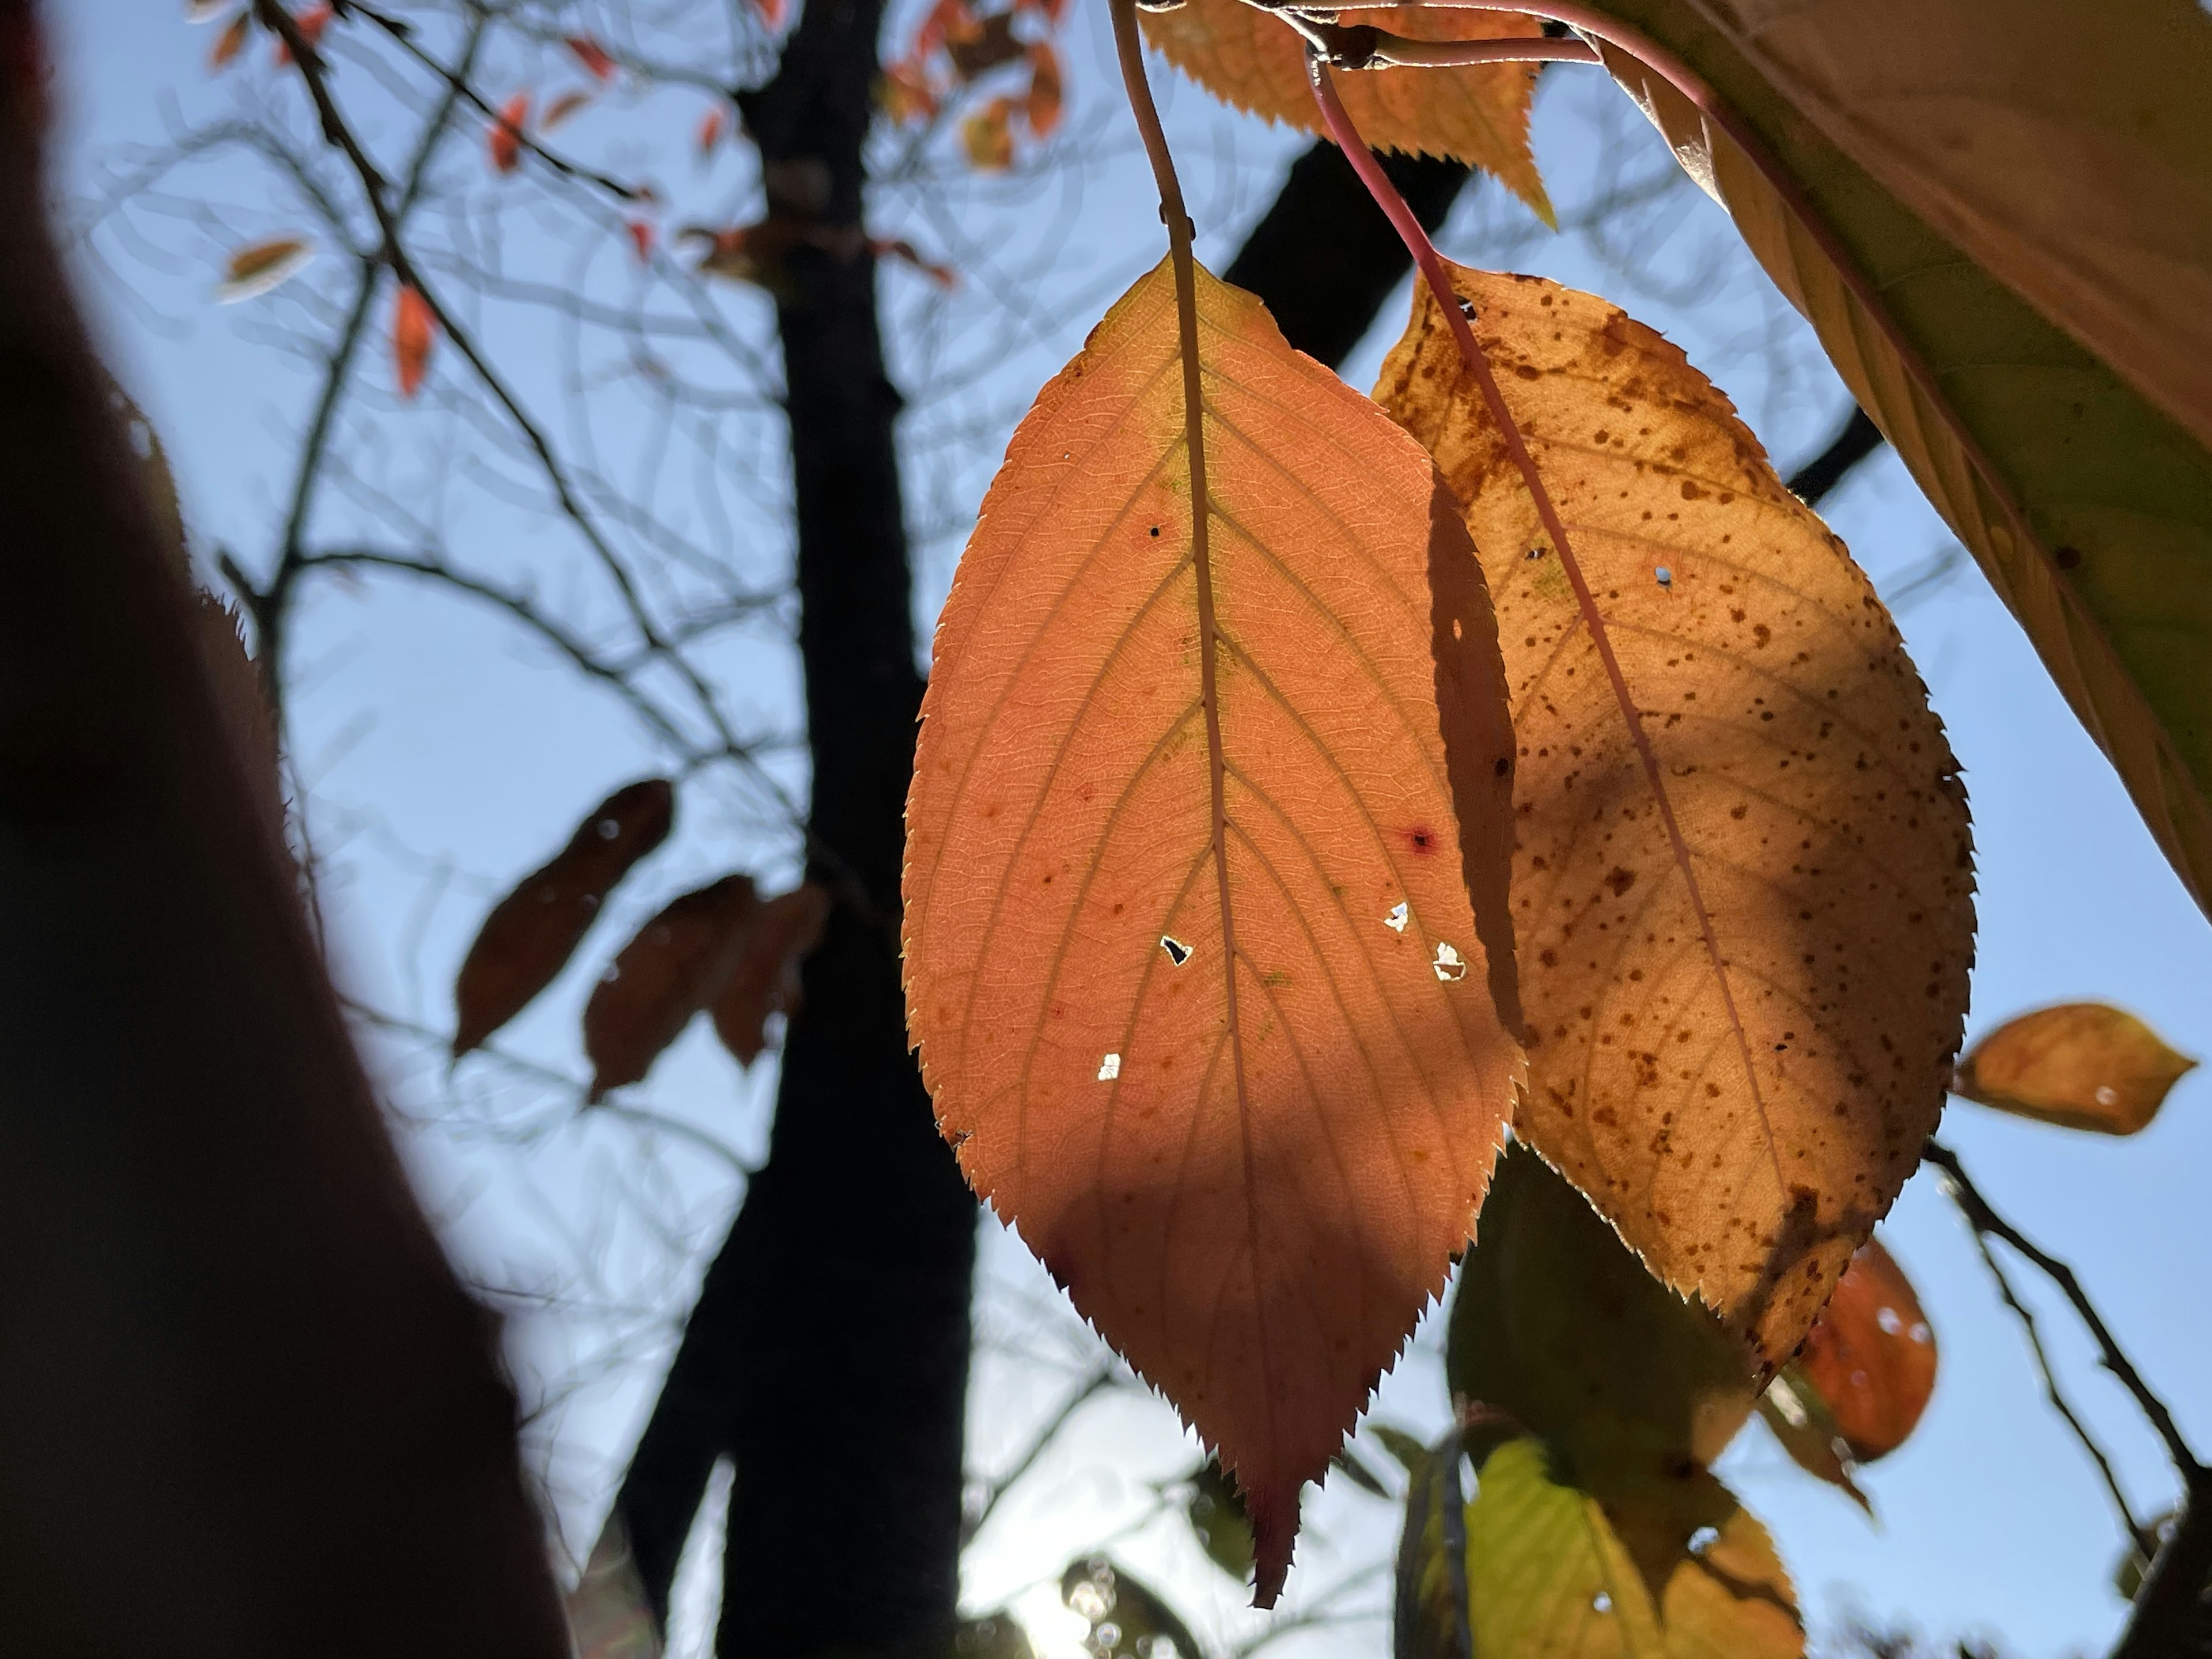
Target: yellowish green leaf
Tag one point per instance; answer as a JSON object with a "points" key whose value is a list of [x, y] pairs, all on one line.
{"points": [[2081, 1065], [2009, 257], [1742, 885]]}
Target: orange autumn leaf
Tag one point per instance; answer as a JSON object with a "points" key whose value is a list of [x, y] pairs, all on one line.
{"points": [[1870, 1357], [904, 93], [252, 270], [710, 132], [531, 933], [2081, 1065], [414, 328], [675, 966], [1478, 114], [1042, 108], [311, 24], [1743, 884], [559, 111], [641, 238], [765, 979], [231, 41], [598, 63], [1200, 993], [505, 140]]}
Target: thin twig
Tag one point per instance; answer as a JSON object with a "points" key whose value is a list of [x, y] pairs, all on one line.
{"points": [[1099, 1381]]}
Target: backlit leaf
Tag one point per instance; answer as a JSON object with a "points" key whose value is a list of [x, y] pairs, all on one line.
{"points": [[505, 142], [773, 12], [311, 21], [562, 108], [1800, 1420], [988, 136], [1041, 108], [1870, 1357], [764, 979], [1250, 1166], [1478, 114], [531, 933], [231, 41], [261, 266], [1355, 1469], [414, 330], [1404, 1448], [598, 63], [1676, 1570], [711, 125], [993, 43], [2081, 1065], [675, 966], [1744, 951], [641, 233], [2033, 223], [1557, 1325]]}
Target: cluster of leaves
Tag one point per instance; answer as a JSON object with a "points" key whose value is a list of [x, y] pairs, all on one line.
{"points": [[1313, 789], [956, 48], [720, 950]]}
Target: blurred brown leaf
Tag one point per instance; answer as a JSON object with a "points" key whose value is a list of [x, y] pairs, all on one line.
{"points": [[677, 965], [2080, 1065], [765, 979], [1870, 1357]]}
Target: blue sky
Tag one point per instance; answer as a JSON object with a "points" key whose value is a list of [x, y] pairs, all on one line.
{"points": [[449, 757]]}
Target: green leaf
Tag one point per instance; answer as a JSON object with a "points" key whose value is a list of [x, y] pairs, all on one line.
{"points": [[1406, 1448], [1557, 1325], [2032, 223], [1127, 1620], [1674, 1570], [1794, 1411], [1216, 1511]]}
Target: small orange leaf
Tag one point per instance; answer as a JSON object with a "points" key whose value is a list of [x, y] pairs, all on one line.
{"points": [[1200, 995], [1042, 107], [1744, 994], [765, 980], [231, 41], [710, 132], [505, 140], [1478, 114], [414, 328], [557, 112], [261, 266], [1870, 1355], [641, 238], [595, 58], [905, 93], [988, 135], [2081, 1065], [536, 928], [675, 966]]}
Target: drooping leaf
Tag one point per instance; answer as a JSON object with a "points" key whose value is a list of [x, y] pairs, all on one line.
{"points": [[1478, 114], [1128, 1619], [259, 267], [2080, 1065], [598, 62], [608, 1615], [1250, 1166], [505, 142], [676, 967], [1215, 1509], [1557, 1326], [1040, 109], [1355, 1469], [987, 134], [1870, 1357], [1745, 918], [1676, 1570], [904, 93], [1801, 1420], [560, 109], [2033, 227], [232, 40], [764, 979], [1405, 1448], [414, 330], [531, 933]]}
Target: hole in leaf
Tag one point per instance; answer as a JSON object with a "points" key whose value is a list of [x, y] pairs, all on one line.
{"points": [[1178, 952], [1110, 1068], [1601, 1602], [1666, 576], [1703, 1539], [1450, 965], [1399, 916]]}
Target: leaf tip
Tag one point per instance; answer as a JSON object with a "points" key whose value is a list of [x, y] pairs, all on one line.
{"points": [[1274, 1513]]}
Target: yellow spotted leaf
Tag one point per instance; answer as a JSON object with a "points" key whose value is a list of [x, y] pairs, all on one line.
{"points": [[2081, 1065], [2004, 240], [1200, 992], [1477, 114], [1743, 879]]}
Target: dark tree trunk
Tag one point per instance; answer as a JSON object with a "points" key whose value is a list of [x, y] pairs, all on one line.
{"points": [[245, 1410], [828, 1353]]}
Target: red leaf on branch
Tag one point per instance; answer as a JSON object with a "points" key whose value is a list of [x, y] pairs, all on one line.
{"points": [[593, 56], [414, 328], [505, 141], [531, 933]]}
